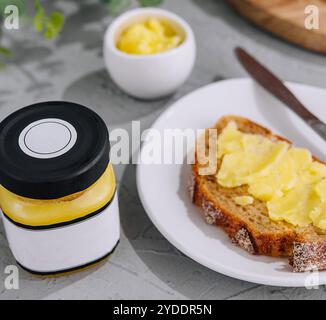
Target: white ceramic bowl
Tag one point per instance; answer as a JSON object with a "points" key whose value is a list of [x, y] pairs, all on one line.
{"points": [[149, 76]]}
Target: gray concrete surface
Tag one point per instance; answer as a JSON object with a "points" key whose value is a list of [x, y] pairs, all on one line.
{"points": [[145, 265]]}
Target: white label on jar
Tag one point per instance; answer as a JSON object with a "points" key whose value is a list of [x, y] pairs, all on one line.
{"points": [[47, 138]]}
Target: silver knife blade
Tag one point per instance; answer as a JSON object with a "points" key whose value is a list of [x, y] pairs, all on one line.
{"points": [[275, 86], [319, 127]]}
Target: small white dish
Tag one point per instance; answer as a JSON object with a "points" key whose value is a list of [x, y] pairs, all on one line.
{"points": [[163, 188], [149, 76]]}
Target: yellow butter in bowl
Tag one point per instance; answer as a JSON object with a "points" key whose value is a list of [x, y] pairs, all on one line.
{"points": [[149, 37]]}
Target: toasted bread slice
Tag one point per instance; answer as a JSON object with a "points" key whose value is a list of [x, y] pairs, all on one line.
{"points": [[250, 226]]}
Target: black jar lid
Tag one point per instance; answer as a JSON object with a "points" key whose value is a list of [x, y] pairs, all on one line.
{"points": [[52, 149]]}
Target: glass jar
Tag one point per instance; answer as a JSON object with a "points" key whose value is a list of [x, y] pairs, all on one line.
{"points": [[58, 191]]}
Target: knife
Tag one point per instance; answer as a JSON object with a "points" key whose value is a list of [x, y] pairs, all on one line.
{"points": [[276, 87]]}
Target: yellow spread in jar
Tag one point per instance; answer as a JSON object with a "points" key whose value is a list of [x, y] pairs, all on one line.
{"points": [[149, 37], [35, 213], [291, 183]]}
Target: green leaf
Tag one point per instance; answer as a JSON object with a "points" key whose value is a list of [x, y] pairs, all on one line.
{"points": [[38, 6], [51, 25], [149, 3], [40, 16], [54, 25], [39, 21], [5, 52]]}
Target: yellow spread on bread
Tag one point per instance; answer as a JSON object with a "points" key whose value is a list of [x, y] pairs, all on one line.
{"points": [[149, 37], [244, 200], [292, 184]]}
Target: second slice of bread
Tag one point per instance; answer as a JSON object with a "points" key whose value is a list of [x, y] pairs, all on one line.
{"points": [[250, 226]]}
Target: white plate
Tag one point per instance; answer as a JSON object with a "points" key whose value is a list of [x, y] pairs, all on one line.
{"points": [[163, 192]]}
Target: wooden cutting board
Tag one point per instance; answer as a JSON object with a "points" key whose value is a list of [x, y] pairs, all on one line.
{"points": [[286, 19]]}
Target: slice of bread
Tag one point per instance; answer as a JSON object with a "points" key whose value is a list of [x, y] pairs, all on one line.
{"points": [[250, 226]]}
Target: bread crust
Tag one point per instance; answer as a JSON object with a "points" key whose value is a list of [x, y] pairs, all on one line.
{"points": [[304, 254]]}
